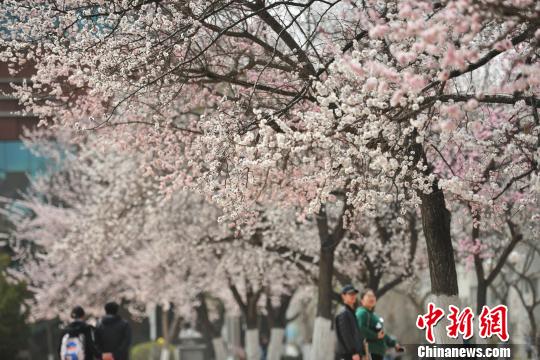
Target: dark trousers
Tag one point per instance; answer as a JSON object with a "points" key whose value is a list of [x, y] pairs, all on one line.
{"points": [[376, 357]]}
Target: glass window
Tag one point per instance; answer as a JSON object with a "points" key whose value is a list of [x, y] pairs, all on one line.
{"points": [[15, 158]]}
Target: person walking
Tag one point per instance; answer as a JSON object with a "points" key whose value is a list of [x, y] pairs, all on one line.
{"points": [[350, 343], [371, 327], [113, 334], [77, 338]]}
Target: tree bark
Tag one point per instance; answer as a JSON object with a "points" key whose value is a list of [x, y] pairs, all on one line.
{"points": [[322, 344], [326, 269], [481, 300], [481, 296], [535, 336], [249, 310], [164, 353], [436, 226], [322, 347], [277, 317], [211, 330], [442, 265]]}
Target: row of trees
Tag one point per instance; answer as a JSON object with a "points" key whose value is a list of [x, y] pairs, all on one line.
{"points": [[373, 120], [98, 228]]}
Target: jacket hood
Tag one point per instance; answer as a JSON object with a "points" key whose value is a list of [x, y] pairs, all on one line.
{"points": [[76, 327], [110, 319]]}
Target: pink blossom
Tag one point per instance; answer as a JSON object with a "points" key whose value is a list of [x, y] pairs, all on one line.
{"points": [[378, 31], [371, 84], [503, 45], [396, 98]]}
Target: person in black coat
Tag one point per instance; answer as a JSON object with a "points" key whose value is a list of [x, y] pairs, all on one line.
{"points": [[350, 343], [77, 327], [113, 334]]}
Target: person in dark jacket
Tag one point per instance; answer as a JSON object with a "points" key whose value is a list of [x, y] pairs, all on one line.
{"points": [[77, 327], [371, 327], [113, 334], [350, 343]]}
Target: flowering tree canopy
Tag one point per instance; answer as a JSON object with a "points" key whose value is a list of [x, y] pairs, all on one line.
{"points": [[95, 227], [300, 102]]}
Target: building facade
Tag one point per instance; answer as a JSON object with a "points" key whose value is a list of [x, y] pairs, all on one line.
{"points": [[17, 162]]}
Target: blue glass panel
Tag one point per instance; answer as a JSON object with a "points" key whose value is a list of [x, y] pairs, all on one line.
{"points": [[15, 157], [18, 157], [3, 164]]}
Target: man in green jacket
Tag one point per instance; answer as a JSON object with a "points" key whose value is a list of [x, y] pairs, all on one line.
{"points": [[371, 327]]}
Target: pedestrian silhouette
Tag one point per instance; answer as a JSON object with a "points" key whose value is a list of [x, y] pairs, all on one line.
{"points": [[113, 334], [77, 339]]}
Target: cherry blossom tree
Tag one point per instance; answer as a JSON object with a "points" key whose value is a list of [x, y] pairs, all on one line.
{"points": [[491, 186], [384, 251], [175, 247], [141, 247], [210, 321], [94, 229], [298, 102], [264, 264]]}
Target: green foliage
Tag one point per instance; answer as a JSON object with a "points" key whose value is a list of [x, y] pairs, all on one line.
{"points": [[14, 331], [148, 351]]}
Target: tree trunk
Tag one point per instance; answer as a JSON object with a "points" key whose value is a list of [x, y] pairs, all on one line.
{"points": [[249, 309], [481, 300], [482, 284], [442, 266], [251, 314], [164, 354], [436, 225], [252, 344], [537, 347], [322, 329], [483, 281], [170, 331], [252, 332], [50, 347], [481, 296], [326, 269], [276, 346], [277, 317], [220, 351], [211, 330], [323, 337], [535, 339]]}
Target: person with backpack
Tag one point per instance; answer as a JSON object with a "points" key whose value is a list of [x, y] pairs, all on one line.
{"points": [[113, 334], [77, 339], [371, 327], [350, 343]]}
